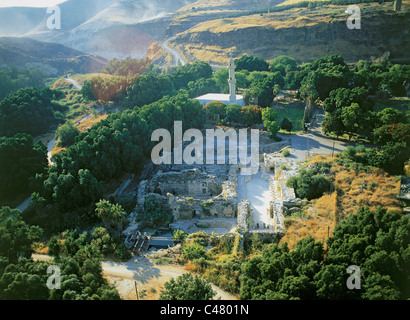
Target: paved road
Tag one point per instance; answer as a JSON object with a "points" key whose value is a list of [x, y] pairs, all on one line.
{"points": [[177, 57], [315, 141]]}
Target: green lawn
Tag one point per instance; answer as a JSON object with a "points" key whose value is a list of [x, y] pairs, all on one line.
{"points": [[294, 111]]}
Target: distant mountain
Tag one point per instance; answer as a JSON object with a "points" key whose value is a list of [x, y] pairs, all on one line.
{"points": [[110, 28], [21, 21], [56, 58]]}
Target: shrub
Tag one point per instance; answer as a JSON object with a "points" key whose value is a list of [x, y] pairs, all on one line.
{"points": [[123, 252], [187, 287], [193, 251], [283, 166], [286, 124], [286, 152], [309, 185]]}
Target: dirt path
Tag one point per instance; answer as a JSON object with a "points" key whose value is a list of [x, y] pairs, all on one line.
{"points": [[150, 278], [177, 57]]}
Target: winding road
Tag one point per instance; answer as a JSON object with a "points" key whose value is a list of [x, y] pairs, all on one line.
{"points": [[177, 57]]}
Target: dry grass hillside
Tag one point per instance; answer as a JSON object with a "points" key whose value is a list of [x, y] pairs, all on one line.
{"points": [[302, 33], [352, 190]]}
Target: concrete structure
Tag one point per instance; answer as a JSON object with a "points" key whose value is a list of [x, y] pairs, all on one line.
{"points": [[224, 98], [230, 98]]}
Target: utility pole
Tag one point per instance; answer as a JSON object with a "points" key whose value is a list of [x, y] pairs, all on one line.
{"points": [[307, 125], [333, 151], [136, 289]]}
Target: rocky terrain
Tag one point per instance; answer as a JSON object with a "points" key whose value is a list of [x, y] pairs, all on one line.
{"points": [[302, 33]]}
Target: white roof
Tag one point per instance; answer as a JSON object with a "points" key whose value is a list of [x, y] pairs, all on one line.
{"points": [[218, 97]]}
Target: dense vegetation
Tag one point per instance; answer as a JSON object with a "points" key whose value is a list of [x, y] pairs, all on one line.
{"points": [[20, 161], [187, 287], [70, 193], [21, 278], [114, 146], [13, 78], [30, 111], [309, 184], [127, 68], [377, 242]]}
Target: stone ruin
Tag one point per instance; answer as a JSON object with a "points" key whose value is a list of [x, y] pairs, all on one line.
{"points": [[186, 192], [206, 195]]}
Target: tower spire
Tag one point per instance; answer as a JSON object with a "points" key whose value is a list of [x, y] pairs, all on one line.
{"points": [[232, 79]]}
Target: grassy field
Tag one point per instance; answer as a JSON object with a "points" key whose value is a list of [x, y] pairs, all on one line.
{"points": [[77, 105], [291, 108]]}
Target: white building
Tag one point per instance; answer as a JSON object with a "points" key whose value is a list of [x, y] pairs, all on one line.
{"points": [[230, 98]]}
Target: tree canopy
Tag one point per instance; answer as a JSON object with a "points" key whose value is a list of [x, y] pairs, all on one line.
{"points": [[377, 242], [30, 111], [187, 287]]}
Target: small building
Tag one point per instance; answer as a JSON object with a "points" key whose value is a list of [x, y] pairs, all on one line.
{"points": [[230, 98], [224, 98]]}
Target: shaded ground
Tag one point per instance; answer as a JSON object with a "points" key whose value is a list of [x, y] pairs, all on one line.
{"points": [[145, 274], [315, 141]]}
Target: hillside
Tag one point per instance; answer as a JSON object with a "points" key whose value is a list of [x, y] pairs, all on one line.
{"points": [[56, 58], [24, 21], [108, 28], [301, 33]]}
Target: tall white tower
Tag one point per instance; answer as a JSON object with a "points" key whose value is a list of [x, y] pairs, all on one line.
{"points": [[232, 79]]}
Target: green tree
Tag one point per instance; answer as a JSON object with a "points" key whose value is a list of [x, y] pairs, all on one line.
{"points": [[193, 251], [269, 117], [324, 75], [309, 185], [352, 118], [187, 287], [283, 64], [16, 236], [20, 160], [251, 63], [390, 116], [216, 110], [54, 246], [87, 91], [221, 79], [30, 111], [110, 214], [67, 134], [333, 122], [286, 125], [344, 97]]}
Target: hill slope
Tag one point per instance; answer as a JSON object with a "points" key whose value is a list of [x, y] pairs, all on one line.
{"points": [[109, 28], [57, 58], [302, 33]]}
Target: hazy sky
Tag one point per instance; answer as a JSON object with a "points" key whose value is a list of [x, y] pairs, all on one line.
{"points": [[29, 3]]}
